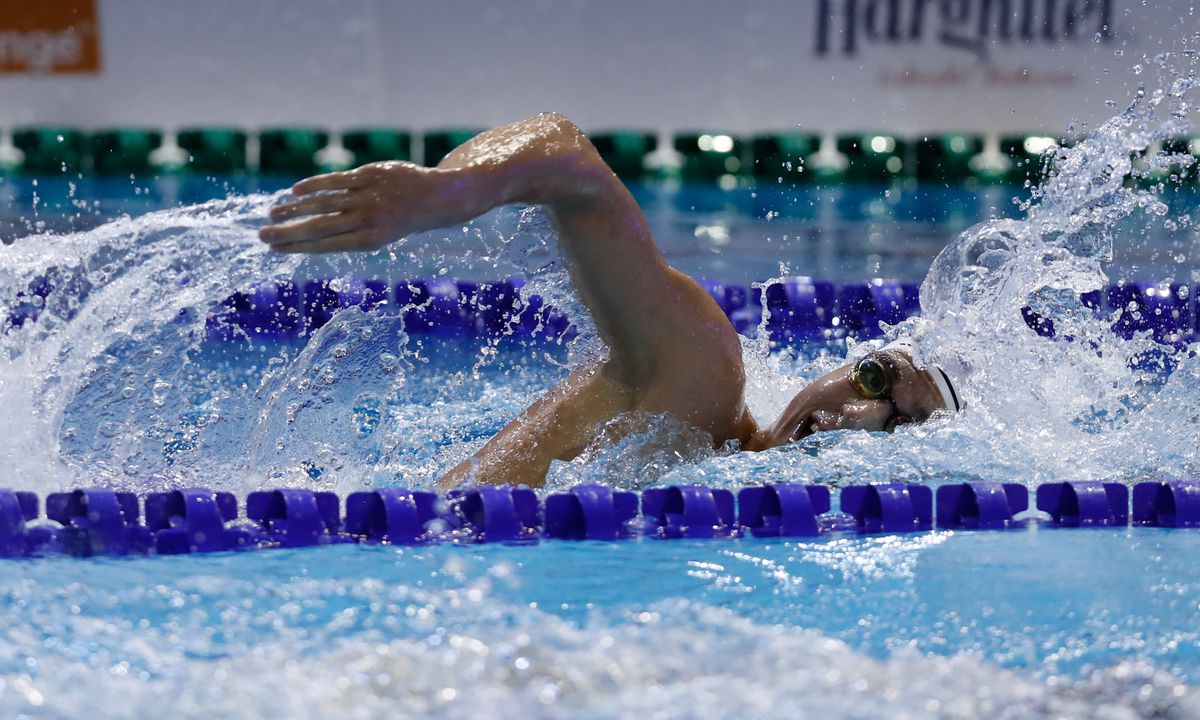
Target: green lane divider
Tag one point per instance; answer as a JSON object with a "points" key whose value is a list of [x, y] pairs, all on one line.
{"points": [[290, 151], [875, 157], [947, 159], [437, 144], [625, 151], [52, 151], [125, 151], [788, 157], [709, 156], [785, 157], [213, 150], [377, 144]]}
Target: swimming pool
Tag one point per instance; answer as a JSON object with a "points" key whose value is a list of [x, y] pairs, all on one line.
{"points": [[118, 384]]}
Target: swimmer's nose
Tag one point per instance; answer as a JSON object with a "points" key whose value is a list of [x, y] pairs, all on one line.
{"points": [[865, 414]]}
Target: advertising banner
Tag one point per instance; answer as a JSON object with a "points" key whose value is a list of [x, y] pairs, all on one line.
{"points": [[902, 66], [48, 37]]}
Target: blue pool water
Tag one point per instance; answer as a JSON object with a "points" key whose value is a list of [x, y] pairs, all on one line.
{"points": [[1047, 624], [115, 385]]}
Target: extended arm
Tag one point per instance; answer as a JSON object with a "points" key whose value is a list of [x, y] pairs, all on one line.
{"points": [[671, 348], [638, 302]]}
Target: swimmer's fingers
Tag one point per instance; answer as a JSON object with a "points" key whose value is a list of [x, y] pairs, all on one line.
{"points": [[342, 242], [365, 176], [310, 230], [314, 205], [347, 180]]}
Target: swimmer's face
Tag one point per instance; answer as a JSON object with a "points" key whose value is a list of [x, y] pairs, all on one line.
{"points": [[879, 392]]}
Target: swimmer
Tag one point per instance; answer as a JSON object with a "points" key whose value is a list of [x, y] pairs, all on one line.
{"points": [[671, 348]]}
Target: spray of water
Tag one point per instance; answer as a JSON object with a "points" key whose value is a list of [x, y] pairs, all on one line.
{"points": [[115, 384], [1088, 404], [109, 368]]}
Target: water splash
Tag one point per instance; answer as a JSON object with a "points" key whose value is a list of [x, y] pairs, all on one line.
{"points": [[634, 451], [115, 384], [119, 335], [1087, 405], [1076, 407]]}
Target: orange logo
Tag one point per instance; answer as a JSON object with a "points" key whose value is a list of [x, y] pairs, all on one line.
{"points": [[49, 37]]}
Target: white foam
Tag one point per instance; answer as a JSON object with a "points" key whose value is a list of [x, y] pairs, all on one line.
{"points": [[469, 657]]}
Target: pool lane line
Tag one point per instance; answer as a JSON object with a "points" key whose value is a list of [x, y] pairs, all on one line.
{"points": [[89, 522]]}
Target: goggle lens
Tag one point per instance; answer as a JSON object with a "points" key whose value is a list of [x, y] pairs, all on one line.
{"points": [[871, 379]]}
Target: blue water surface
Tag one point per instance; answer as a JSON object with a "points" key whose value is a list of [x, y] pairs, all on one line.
{"points": [[1057, 604]]}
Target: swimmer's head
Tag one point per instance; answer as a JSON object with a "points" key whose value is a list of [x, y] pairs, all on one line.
{"points": [[881, 391]]}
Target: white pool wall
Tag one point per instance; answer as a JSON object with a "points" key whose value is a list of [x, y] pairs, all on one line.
{"points": [[668, 64]]}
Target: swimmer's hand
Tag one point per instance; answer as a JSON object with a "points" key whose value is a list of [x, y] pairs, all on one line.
{"points": [[367, 208]]}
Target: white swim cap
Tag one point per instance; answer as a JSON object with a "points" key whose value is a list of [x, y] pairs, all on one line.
{"points": [[941, 379]]}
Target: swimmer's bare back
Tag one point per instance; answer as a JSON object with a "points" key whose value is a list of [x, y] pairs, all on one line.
{"points": [[671, 348]]}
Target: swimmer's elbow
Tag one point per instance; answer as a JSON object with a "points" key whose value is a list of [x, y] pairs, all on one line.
{"points": [[570, 144], [561, 131], [573, 170], [545, 159]]}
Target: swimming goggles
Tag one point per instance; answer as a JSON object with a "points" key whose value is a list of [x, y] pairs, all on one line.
{"points": [[871, 380]]}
